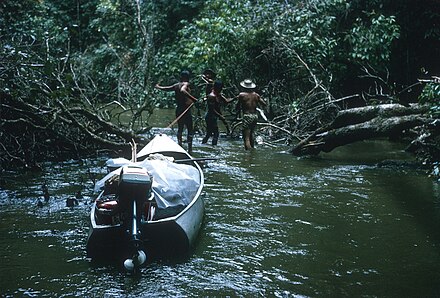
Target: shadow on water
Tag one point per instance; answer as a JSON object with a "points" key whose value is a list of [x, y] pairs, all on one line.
{"points": [[334, 225]]}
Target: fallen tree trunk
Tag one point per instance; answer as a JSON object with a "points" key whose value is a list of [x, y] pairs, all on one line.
{"points": [[363, 114], [363, 123]]}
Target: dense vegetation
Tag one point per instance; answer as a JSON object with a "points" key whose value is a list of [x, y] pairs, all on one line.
{"points": [[68, 68]]}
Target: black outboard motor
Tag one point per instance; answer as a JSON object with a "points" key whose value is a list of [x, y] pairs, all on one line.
{"points": [[134, 190]]}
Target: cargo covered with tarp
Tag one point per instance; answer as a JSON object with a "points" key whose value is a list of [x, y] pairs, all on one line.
{"points": [[174, 185]]}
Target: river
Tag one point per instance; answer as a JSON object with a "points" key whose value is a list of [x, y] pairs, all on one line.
{"points": [[337, 225]]}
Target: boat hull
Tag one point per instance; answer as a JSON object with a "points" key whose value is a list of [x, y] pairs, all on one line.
{"points": [[168, 237]]}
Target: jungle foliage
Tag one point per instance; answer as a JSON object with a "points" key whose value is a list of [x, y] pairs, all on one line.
{"points": [[64, 64]]}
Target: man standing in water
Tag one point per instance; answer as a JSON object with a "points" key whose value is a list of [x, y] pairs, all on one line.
{"points": [[208, 77], [214, 101], [184, 101], [248, 101]]}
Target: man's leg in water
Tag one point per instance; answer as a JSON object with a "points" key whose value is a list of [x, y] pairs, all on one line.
{"points": [[190, 128], [247, 138], [208, 129], [216, 134], [251, 135], [180, 127]]}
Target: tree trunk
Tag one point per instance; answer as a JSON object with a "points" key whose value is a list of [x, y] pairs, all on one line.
{"points": [[363, 123]]}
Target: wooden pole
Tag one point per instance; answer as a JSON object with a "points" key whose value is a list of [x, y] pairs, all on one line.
{"points": [[180, 116]]}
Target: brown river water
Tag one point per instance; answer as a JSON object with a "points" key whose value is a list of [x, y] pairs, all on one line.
{"points": [[338, 225]]}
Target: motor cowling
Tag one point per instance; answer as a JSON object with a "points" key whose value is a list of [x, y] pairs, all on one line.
{"points": [[134, 185]]}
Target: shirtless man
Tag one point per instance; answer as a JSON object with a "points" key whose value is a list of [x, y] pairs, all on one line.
{"points": [[184, 100], [208, 77], [248, 101], [214, 101]]}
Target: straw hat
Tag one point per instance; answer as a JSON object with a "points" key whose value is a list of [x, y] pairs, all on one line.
{"points": [[248, 84]]}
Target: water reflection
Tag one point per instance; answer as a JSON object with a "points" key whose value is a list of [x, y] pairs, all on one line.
{"points": [[275, 225]]}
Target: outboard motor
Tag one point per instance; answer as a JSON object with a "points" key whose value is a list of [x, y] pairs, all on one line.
{"points": [[134, 190]]}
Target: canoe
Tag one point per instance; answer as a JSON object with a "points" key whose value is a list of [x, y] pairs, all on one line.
{"points": [[147, 207]]}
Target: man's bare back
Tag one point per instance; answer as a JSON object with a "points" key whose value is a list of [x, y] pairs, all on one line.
{"points": [[249, 102], [182, 92]]}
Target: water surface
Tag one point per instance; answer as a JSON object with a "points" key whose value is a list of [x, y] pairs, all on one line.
{"points": [[335, 225]]}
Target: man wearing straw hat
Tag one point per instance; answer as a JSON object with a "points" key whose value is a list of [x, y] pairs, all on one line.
{"points": [[184, 101], [248, 101]]}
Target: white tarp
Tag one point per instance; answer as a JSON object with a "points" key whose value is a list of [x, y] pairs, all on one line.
{"points": [[173, 184]]}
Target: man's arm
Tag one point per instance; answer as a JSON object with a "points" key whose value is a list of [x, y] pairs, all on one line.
{"points": [[219, 114], [238, 107], [184, 90], [207, 80], [262, 101], [228, 100], [165, 88]]}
